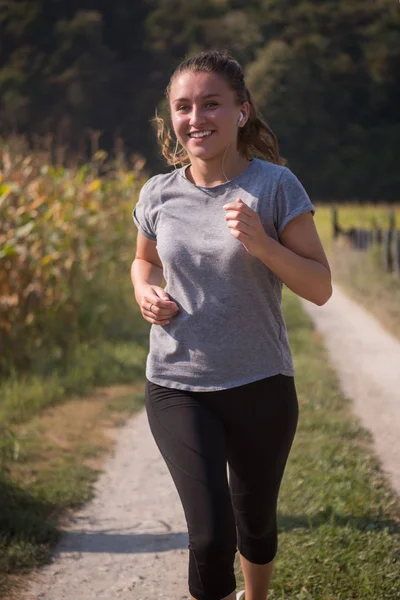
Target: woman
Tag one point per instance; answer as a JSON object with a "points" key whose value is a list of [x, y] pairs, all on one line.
{"points": [[225, 230]]}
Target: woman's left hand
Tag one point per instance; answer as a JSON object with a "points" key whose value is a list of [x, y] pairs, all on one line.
{"points": [[246, 226]]}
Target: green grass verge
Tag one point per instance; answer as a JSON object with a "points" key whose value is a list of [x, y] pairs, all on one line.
{"points": [[24, 396], [339, 526]]}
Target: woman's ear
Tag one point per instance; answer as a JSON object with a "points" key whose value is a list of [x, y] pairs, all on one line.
{"points": [[244, 114]]}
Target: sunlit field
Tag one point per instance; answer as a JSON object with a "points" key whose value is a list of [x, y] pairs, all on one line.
{"points": [[361, 273]]}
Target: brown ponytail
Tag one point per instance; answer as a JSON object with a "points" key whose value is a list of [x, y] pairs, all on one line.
{"points": [[256, 138]]}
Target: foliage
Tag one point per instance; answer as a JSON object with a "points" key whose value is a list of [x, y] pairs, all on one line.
{"points": [[323, 74], [328, 89], [64, 238]]}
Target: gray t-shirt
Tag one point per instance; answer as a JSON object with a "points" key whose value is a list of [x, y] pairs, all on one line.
{"points": [[229, 330]]}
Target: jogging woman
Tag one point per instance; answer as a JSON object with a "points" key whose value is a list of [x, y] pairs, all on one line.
{"points": [[225, 229]]}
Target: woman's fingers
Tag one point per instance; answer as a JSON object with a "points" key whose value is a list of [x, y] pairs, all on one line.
{"points": [[158, 322], [158, 311], [156, 319]]}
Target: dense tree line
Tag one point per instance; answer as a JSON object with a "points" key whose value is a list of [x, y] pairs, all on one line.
{"points": [[323, 73]]}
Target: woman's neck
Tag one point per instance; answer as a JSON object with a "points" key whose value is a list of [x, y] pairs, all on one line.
{"points": [[212, 173]]}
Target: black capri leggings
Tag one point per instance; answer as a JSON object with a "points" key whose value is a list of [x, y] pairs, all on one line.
{"points": [[250, 428]]}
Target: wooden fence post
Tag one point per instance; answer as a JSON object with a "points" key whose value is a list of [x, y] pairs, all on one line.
{"points": [[387, 250], [392, 220], [396, 251], [335, 223], [388, 242], [357, 238], [377, 236], [369, 238]]}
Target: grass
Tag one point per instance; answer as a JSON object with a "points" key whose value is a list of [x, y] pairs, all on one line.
{"points": [[339, 520], [22, 396], [359, 273]]}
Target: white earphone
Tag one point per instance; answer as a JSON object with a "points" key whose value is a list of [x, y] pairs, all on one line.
{"points": [[240, 117]]}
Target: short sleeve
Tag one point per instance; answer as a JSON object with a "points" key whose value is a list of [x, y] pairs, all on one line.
{"points": [[291, 200], [144, 213]]}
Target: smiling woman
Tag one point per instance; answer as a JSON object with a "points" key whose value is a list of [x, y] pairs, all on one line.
{"points": [[205, 117], [219, 87], [226, 228]]}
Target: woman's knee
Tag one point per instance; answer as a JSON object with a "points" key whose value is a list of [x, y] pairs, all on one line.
{"points": [[215, 544], [256, 517], [211, 565], [260, 548]]}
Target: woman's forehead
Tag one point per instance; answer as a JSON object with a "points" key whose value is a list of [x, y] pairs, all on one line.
{"points": [[198, 85]]}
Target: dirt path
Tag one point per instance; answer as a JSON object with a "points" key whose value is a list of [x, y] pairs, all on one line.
{"points": [[367, 360], [131, 542]]}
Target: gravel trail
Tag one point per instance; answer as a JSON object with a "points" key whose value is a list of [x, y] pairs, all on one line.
{"points": [[367, 360], [130, 542]]}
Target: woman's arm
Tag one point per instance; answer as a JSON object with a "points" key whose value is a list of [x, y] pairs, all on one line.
{"points": [[147, 278], [147, 268], [145, 274], [299, 260]]}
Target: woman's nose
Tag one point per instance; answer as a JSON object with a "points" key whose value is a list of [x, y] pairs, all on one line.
{"points": [[196, 117]]}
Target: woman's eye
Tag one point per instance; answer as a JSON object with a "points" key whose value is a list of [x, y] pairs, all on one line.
{"points": [[186, 107]]}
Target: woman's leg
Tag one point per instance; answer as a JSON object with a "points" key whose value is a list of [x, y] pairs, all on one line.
{"points": [[230, 597], [256, 578], [262, 425], [192, 441]]}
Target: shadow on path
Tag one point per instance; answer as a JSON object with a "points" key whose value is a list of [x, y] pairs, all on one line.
{"points": [[122, 543], [110, 541]]}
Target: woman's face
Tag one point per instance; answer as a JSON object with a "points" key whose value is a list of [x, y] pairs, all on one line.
{"points": [[204, 114]]}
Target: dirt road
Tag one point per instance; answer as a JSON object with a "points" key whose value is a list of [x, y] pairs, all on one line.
{"points": [[367, 360], [130, 542]]}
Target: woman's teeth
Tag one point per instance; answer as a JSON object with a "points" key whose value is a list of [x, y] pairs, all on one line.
{"points": [[200, 134]]}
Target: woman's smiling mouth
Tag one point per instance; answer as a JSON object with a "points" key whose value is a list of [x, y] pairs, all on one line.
{"points": [[200, 135]]}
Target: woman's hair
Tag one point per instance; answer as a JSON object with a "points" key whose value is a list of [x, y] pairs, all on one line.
{"points": [[255, 138]]}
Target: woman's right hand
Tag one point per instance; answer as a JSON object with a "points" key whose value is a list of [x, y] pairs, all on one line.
{"points": [[162, 308]]}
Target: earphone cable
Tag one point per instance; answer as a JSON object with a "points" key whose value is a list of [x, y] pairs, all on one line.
{"points": [[222, 164]]}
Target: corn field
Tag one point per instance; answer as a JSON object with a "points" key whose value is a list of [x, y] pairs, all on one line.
{"points": [[66, 243]]}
